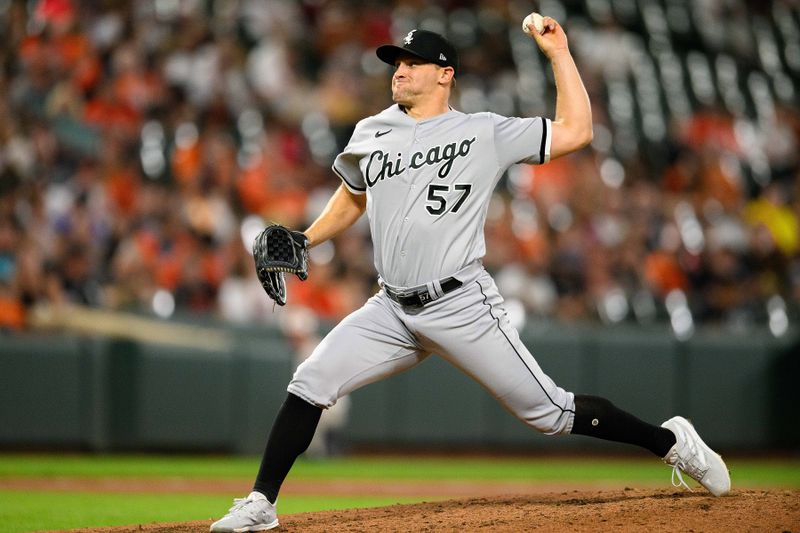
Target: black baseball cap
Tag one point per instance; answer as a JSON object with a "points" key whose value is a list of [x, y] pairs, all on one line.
{"points": [[426, 45]]}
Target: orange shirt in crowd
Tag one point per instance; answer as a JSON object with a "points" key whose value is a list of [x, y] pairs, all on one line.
{"points": [[12, 313], [324, 299], [663, 273], [122, 187]]}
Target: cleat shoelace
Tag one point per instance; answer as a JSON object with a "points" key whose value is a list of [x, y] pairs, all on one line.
{"points": [[694, 465], [240, 505], [676, 472]]}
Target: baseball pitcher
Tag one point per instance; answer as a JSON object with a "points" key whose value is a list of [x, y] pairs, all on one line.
{"points": [[424, 173]]}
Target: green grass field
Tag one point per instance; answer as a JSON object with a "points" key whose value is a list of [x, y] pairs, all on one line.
{"points": [[48, 510]]}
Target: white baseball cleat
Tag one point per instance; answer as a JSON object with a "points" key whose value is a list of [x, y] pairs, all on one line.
{"points": [[693, 456], [254, 513]]}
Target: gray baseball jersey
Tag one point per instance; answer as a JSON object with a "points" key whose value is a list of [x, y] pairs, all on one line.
{"points": [[428, 185]]}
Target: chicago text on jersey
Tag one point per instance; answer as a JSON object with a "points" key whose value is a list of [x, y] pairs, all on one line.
{"points": [[437, 154]]}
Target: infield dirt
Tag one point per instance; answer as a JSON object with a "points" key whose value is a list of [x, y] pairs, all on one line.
{"points": [[618, 510]]}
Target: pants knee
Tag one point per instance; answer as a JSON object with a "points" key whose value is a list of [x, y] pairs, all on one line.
{"points": [[310, 384], [553, 420]]}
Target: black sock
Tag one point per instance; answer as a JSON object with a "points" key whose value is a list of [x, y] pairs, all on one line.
{"points": [[598, 417], [291, 434]]}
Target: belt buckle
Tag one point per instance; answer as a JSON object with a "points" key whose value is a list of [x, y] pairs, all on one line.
{"points": [[404, 294], [397, 295], [411, 298], [419, 297]]}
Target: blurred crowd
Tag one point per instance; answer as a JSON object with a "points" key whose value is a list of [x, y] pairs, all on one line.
{"points": [[144, 144]]}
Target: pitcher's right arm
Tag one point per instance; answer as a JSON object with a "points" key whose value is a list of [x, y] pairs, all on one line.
{"points": [[572, 127]]}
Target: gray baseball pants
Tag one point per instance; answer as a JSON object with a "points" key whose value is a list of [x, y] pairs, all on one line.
{"points": [[468, 327]]}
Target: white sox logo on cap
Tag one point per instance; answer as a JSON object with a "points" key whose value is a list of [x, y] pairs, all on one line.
{"points": [[426, 45]]}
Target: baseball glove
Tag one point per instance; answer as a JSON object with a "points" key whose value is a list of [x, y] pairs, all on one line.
{"points": [[276, 251]]}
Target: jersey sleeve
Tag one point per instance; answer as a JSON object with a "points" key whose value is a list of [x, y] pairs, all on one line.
{"points": [[346, 166], [522, 140]]}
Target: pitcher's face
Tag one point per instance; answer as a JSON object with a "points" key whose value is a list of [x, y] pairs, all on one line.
{"points": [[414, 79]]}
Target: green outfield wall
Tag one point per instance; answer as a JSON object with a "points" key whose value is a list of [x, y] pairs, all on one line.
{"points": [[112, 394]]}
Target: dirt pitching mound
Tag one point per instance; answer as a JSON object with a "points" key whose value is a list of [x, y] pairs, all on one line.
{"points": [[571, 511]]}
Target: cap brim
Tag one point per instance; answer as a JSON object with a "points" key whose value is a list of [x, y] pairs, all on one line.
{"points": [[388, 53]]}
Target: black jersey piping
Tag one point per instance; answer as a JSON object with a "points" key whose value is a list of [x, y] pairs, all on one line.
{"points": [[544, 140], [347, 182]]}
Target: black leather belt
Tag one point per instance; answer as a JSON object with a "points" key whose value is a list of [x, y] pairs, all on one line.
{"points": [[420, 297]]}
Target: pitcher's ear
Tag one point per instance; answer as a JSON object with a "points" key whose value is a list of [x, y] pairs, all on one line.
{"points": [[451, 73]]}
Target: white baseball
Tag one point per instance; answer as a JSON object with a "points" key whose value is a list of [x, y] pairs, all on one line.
{"points": [[536, 20]]}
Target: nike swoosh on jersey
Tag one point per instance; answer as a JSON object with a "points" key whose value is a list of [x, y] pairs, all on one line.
{"points": [[382, 133]]}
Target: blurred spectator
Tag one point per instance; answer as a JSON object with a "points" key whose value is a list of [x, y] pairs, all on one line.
{"points": [[772, 212], [139, 140], [11, 306]]}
